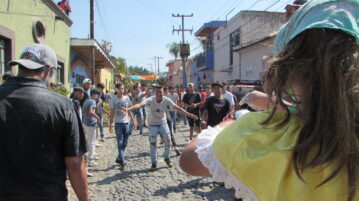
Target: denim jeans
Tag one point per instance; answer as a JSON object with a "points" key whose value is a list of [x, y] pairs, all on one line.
{"points": [[173, 115], [184, 118], [100, 125], [173, 140], [164, 131], [139, 114], [122, 133]]}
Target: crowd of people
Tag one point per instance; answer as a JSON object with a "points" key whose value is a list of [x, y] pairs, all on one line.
{"points": [[154, 107], [301, 143]]}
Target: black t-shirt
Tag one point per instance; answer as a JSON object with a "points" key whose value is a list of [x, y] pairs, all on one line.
{"points": [[217, 109], [192, 98], [38, 129]]}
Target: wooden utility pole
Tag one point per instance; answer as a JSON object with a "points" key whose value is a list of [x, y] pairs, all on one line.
{"points": [[157, 59], [92, 37], [158, 64], [184, 58]]}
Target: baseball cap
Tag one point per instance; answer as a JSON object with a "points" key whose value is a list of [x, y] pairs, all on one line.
{"points": [[190, 84], [78, 88], [341, 15], [36, 56], [86, 81], [100, 85], [217, 84]]}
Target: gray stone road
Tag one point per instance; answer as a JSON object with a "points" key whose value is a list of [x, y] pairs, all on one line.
{"points": [[136, 182]]}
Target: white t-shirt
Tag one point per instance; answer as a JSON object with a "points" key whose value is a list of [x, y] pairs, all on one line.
{"points": [[238, 114], [174, 98], [116, 104], [229, 96], [158, 110]]}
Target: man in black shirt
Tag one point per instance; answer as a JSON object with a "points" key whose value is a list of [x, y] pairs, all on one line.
{"points": [[191, 101], [40, 138], [215, 108], [78, 94]]}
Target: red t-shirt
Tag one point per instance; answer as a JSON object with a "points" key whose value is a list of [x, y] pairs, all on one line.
{"points": [[203, 96]]}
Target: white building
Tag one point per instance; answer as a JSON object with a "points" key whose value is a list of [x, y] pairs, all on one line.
{"points": [[243, 28], [252, 58]]}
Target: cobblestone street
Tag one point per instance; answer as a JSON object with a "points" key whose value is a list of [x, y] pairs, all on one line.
{"points": [[136, 182]]}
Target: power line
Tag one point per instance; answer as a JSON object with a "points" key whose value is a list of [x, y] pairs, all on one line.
{"points": [[249, 21]]}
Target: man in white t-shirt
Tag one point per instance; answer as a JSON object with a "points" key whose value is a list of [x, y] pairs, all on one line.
{"points": [[229, 96], [157, 123]]}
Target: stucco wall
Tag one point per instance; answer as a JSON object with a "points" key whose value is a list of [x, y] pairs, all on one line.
{"points": [[19, 15], [252, 60], [253, 26], [107, 78]]}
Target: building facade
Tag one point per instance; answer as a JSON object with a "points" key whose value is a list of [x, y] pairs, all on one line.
{"points": [[243, 28], [80, 63], [203, 72], [23, 23], [253, 58]]}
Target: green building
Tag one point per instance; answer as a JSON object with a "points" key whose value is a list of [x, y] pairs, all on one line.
{"points": [[24, 22]]}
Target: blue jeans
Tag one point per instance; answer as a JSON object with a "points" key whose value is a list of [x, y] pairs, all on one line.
{"points": [[184, 118], [139, 114], [173, 115], [164, 131], [100, 125], [122, 133]]}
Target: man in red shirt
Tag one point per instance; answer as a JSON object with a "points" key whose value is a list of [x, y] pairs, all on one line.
{"points": [[204, 97], [65, 6]]}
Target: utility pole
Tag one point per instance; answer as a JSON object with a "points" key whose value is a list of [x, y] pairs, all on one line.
{"points": [[151, 67], [155, 65], [158, 64], [184, 50], [92, 37], [157, 59]]}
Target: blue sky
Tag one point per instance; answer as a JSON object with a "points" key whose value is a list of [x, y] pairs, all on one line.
{"points": [[141, 29]]}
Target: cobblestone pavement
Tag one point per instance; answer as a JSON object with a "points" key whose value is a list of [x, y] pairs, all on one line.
{"points": [[136, 182]]}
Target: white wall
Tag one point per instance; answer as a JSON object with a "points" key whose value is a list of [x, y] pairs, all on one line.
{"points": [[252, 62], [253, 25]]}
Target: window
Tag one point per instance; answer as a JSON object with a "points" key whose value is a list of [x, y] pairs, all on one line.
{"points": [[60, 73], [2, 56], [234, 40]]}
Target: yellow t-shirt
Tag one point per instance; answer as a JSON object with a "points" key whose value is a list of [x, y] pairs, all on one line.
{"points": [[260, 157]]}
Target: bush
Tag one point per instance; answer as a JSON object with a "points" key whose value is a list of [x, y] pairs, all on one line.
{"points": [[61, 90]]}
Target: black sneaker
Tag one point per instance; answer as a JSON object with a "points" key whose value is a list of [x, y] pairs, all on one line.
{"points": [[122, 166], [153, 167], [168, 162], [118, 160]]}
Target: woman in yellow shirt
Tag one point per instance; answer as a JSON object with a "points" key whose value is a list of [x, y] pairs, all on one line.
{"points": [[308, 151]]}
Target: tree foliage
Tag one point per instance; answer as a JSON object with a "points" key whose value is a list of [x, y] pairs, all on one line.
{"points": [[139, 70], [174, 49], [106, 46]]}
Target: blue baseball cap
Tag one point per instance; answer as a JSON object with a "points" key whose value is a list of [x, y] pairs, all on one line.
{"points": [[341, 15]]}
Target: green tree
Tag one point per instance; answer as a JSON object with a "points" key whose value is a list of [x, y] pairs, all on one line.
{"points": [[174, 49], [139, 70]]}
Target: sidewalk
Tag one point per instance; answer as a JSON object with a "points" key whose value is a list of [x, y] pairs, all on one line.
{"points": [[136, 182]]}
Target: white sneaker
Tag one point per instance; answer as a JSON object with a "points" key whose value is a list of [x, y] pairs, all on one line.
{"points": [[96, 158], [92, 163], [98, 144], [89, 174]]}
